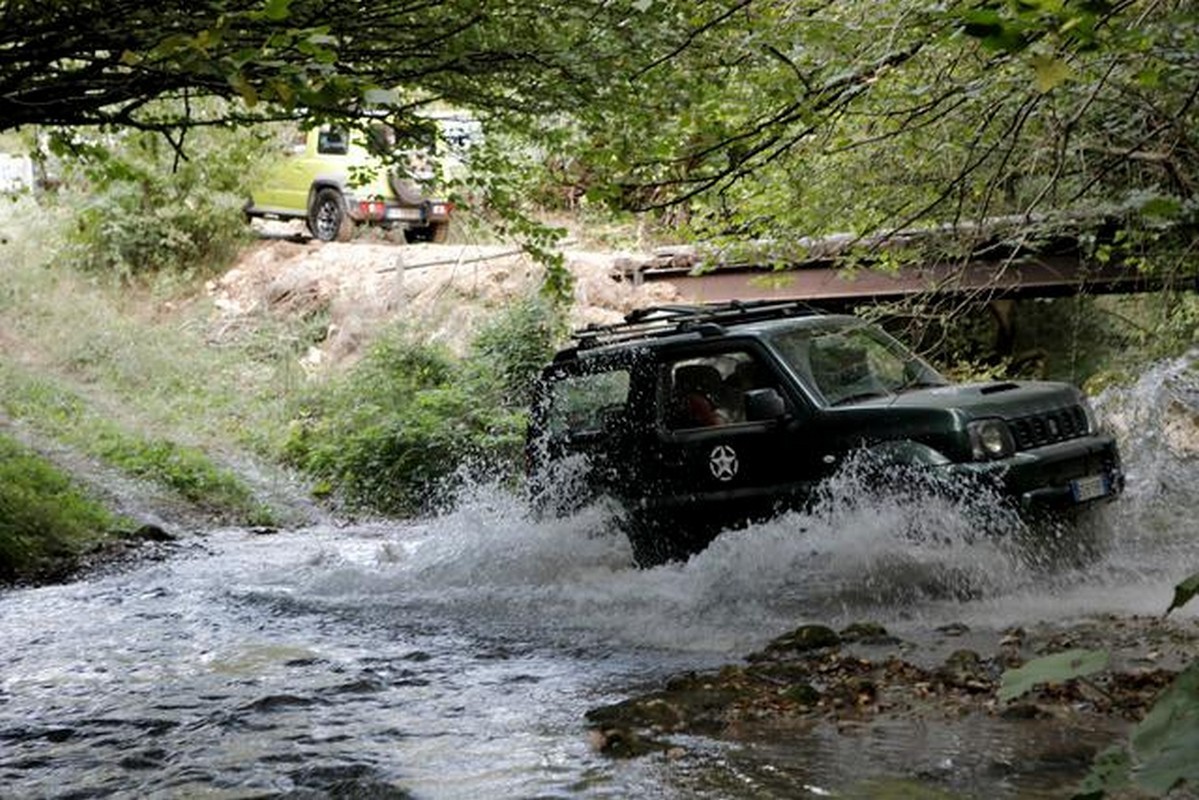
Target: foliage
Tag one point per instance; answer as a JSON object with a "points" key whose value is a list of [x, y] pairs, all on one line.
{"points": [[731, 119], [43, 516], [789, 120], [144, 207], [1055, 668], [98, 63], [1160, 755], [1184, 593], [513, 347], [409, 424]]}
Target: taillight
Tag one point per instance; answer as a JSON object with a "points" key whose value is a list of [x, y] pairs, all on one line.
{"points": [[372, 209]]}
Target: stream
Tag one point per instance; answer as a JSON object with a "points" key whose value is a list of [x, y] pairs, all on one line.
{"points": [[457, 657]]}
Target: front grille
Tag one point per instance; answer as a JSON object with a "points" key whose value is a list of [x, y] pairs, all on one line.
{"points": [[1048, 427]]}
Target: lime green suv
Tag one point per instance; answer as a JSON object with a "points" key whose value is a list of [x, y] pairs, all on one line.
{"points": [[333, 179]]}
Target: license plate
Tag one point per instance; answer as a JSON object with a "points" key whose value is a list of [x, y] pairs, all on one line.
{"points": [[403, 213], [1088, 488]]}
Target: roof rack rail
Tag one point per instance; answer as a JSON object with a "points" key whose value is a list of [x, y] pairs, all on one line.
{"points": [[707, 320]]}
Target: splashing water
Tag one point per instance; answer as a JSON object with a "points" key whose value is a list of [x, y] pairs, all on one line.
{"points": [[456, 657], [857, 554]]}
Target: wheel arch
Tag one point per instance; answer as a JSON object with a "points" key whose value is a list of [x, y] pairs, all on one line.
{"points": [[321, 183]]}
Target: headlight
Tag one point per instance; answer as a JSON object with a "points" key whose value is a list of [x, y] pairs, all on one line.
{"points": [[990, 438]]}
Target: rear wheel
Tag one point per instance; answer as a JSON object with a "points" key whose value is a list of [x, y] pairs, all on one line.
{"points": [[327, 217]]}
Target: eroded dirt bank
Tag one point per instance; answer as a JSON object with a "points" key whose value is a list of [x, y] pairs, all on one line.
{"points": [[442, 291]]}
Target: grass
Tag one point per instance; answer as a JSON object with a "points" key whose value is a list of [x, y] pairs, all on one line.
{"points": [[128, 375], [45, 519], [58, 413]]}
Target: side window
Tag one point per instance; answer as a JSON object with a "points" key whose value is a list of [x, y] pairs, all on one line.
{"points": [[332, 141], [710, 390], [588, 403]]}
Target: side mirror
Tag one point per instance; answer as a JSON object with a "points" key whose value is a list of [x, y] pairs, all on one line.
{"points": [[764, 404]]}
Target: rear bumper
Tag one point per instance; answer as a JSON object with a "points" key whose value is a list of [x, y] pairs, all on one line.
{"points": [[429, 212]]}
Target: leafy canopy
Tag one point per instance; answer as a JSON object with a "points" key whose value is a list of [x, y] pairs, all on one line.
{"points": [[743, 118], [102, 63]]}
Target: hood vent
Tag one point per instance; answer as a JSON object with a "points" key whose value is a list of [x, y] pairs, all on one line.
{"points": [[995, 388]]}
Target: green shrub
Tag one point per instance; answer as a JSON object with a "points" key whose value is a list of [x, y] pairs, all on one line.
{"points": [[147, 208], [43, 517], [410, 424], [157, 226], [513, 348]]}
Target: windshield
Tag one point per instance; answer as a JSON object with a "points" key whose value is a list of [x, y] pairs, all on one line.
{"points": [[849, 361]]}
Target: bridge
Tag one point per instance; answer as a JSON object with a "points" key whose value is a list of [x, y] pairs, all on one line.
{"points": [[840, 272]]}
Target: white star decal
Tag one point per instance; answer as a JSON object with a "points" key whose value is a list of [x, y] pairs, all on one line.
{"points": [[723, 462]]}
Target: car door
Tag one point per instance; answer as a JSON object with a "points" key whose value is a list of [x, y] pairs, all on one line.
{"points": [[589, 419], [314, 154], [717, 457]]}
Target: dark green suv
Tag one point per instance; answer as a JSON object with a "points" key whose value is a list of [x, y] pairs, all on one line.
{"points": [[700, 418]]}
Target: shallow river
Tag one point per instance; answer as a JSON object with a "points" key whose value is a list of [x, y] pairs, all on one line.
{"points": [[457, 658]]}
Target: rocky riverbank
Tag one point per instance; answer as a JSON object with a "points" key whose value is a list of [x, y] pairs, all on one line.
{"points": [[863, 673]]}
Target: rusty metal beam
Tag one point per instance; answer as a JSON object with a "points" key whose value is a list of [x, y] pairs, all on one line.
{"points": [[832, 286]]}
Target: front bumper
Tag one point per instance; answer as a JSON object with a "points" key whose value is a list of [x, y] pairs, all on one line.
{"points": [[1074, 473]]}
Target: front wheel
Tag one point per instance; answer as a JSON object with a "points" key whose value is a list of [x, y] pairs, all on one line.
{"points": [[327, 217], [655, 541]]}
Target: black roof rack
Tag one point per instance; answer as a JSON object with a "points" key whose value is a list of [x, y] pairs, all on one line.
{"points": [[706, 320]]}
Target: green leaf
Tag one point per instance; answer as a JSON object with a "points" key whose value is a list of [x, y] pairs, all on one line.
{"points": [[277, 9], [1162, 207], [1184, 591], [1054, 668], [1164, 744], [1149, 78], [243, 87], [1110, 771], [1050, 71]]}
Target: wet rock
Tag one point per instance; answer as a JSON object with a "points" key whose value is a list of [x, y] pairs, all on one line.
{"points": [[852, 693], [625, 743], [867, 633], [1018, 711], [801, 694], [803, 639], [954, 629], [151, 533], [782, 673], [965, 669], [813, 674]]}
